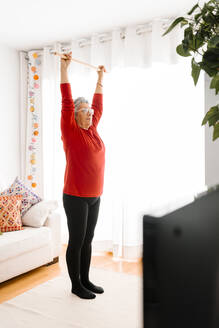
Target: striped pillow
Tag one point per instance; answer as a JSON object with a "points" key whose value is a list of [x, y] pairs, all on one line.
{"points": [[10, 213]]}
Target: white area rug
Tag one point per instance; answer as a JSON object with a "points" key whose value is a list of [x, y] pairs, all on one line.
{"points": [[52, 305]]}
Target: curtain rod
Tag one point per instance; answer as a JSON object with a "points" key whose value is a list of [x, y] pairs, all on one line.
{"points": [[104, 37]]}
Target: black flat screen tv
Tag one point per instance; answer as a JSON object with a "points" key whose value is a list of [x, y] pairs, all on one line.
{"points": [[181, 266]]}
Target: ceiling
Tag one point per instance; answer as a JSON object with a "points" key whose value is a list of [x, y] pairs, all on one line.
{"points": [[32, 24]]}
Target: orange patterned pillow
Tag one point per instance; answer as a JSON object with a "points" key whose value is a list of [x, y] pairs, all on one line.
{"points": [[10, 213]]}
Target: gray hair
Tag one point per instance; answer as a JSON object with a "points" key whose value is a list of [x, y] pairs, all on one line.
{"points": [[78, 101]]}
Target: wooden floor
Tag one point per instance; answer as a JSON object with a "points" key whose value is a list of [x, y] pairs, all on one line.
{"points": [[26, 281]]}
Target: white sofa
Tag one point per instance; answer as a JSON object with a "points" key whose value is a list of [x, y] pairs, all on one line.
{"points": [[24, 250]]}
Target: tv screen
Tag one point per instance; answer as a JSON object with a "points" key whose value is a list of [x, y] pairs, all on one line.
{"points": [[181, 266]]}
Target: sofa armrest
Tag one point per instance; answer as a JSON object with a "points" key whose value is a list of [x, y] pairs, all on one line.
{"points": [[53, 221]]}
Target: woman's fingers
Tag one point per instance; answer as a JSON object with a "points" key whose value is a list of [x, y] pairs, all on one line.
{"points": [[67, 56], [102, 68]]}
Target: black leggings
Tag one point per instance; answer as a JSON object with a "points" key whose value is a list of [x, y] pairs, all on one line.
{"points": [[82, 214]]}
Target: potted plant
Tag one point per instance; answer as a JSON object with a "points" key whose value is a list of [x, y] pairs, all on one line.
{"points": [[201, 39]]}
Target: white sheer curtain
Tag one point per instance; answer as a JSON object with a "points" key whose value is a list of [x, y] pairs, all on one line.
{"points": [[151, 127]]}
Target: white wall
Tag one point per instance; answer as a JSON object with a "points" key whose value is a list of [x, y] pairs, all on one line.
{"points": [[9, 114], [211, 147]]}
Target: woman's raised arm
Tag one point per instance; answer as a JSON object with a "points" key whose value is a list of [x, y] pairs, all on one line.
{"points": [[67, 112], [64, 68], [99, 85]]}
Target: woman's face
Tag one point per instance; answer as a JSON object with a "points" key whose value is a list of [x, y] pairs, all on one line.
{"points": [[84, 119]]}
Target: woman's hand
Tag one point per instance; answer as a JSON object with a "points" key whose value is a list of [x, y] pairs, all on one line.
{"points": [[65, 62], [101, 70]]}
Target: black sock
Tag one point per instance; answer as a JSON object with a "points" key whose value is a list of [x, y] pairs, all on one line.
{"points": [[88, 284], [81, 291]]}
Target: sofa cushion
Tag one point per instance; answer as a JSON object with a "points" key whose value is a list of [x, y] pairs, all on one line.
{"points": [[29, 197], [14, 243], [37, 214], [10, 215]]}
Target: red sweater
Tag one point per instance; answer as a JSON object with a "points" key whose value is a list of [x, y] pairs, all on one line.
{"points": [[84, 149]]}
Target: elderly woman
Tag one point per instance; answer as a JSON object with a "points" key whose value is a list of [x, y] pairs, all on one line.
{"points": [[83, 180]]}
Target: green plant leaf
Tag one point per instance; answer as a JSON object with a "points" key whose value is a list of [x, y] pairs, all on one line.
{"points": [[210, 71], [209, 18], [181, 51], [197, 16], [216, 132], [204, 10], [214, 118], [205, 31], [192, 41], [193, 9], [199, 41], [215, 83], [188, 32], [213, 42], [215, 51], [185, 44], [213, 112], [184, 22], [211, 5], [200, 37], [211, 59], [175, 22], [195, 70]]}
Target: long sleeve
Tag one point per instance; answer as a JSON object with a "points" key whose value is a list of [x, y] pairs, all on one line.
{"points": [[84, 149], [97, 105], [68, 122]]}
